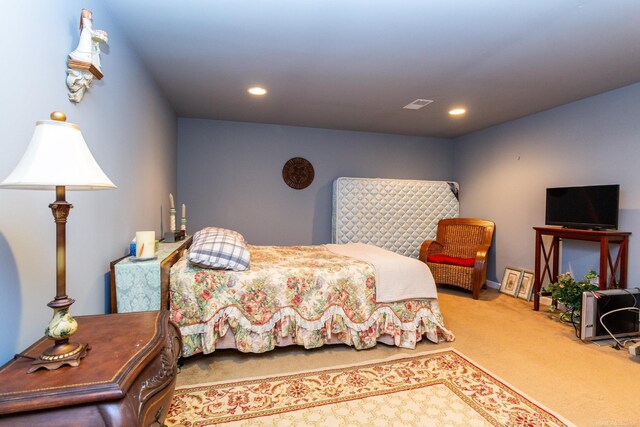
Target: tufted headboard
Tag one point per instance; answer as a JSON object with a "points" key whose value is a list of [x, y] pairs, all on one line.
{"points": [[395, 214]]}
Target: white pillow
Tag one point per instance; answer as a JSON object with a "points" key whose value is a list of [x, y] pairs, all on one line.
{"points": [[214, 247]]}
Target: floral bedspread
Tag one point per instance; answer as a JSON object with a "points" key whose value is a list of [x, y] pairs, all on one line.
{"points": [[306, 293]]}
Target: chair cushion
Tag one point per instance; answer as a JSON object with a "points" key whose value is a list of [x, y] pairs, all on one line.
{"points": [[446, 259]]}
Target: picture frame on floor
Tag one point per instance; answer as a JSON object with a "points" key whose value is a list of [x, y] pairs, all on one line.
{"points": [[511, 281], [525, 289]]}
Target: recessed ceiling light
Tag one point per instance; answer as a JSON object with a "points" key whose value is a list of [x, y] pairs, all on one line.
{"points": [[257, 90], [457, 111]]}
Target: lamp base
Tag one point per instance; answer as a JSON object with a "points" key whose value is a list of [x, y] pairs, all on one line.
{"points": [[62, 353]]}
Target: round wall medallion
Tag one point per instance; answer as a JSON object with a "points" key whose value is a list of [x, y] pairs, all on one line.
{"points": [[298, 173]]}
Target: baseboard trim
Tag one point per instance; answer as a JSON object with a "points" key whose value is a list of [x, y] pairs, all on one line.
{"points": [[543, 300], [548, 300], [494, 285]]}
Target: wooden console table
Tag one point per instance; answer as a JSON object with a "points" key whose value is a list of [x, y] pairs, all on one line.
{"points": [[551, 256], [126, 379]]}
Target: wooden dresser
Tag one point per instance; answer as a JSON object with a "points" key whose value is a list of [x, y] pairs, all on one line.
{"points": [[126, 379]]}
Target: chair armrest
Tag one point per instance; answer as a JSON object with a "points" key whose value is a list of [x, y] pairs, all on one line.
{"points": [[429, 247], [481, 256]]}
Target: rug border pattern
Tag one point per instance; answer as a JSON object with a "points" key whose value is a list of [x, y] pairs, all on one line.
{"points": [[446, 381]]}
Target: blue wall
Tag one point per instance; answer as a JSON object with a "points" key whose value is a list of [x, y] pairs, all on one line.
{"points": [[130, 130], [230, 174], [504, 171]]}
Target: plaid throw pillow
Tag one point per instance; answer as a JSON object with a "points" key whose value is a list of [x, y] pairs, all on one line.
{"points": [[214, 247]]}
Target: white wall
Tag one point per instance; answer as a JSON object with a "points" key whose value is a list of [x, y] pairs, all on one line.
{"points": [[131, 131], [505, 170], [230, 174]]}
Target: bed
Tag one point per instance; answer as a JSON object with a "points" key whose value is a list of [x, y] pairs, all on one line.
{"points": [[324, 294]]}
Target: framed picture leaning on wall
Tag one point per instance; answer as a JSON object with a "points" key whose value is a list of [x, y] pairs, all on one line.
{"points": [[511, 281], [525, 290]]}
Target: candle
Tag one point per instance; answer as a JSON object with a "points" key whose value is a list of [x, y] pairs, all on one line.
{"points": [[172, 219], [145, 244], [183, 221], [171, 204]]}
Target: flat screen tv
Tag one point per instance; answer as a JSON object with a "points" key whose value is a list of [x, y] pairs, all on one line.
{"points": [[591, 207]]}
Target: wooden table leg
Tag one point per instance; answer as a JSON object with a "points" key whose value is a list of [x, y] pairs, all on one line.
{"points": [[555, 244], [537, 271], [603, 280], [624, 258]]}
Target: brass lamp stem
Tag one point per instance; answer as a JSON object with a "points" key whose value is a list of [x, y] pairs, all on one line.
{"points": [[60, 210], [62, 325]]}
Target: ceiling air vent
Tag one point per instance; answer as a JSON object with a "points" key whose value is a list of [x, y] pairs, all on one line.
{"points": [[417, 104]]}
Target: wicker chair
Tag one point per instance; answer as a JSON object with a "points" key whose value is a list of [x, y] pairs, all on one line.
{"points": [[462, 240]]}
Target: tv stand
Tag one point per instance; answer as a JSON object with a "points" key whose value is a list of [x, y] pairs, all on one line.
{"points": [[551, 256]]}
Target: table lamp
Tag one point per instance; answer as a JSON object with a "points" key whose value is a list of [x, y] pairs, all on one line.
{"points": [[58, 158]]}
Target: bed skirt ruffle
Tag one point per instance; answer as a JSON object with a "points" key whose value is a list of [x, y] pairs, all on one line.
{"points": [[287, 327]]}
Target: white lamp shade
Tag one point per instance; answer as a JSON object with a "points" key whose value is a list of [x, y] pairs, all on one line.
{"points": [[57, 156]]}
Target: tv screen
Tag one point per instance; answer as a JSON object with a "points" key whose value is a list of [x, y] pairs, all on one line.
{"points": [[591, 207]]}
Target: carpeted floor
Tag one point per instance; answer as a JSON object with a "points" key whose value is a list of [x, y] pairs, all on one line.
{"points": [[587, 384]]}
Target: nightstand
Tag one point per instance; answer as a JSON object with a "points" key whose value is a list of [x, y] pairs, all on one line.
{"points": [[126, 379], [144, 285]]}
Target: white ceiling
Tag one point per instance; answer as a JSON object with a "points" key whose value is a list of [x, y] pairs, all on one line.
{"points": [[353, 64]]}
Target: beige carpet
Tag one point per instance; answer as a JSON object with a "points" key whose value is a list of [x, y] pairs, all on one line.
{"points": [[440, 388], [588, 385]]}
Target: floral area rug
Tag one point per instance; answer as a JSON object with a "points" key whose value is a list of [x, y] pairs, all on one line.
{"points": [[430, 389]]}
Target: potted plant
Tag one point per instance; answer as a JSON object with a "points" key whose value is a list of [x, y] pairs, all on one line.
{"points": [[568, 291]]}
